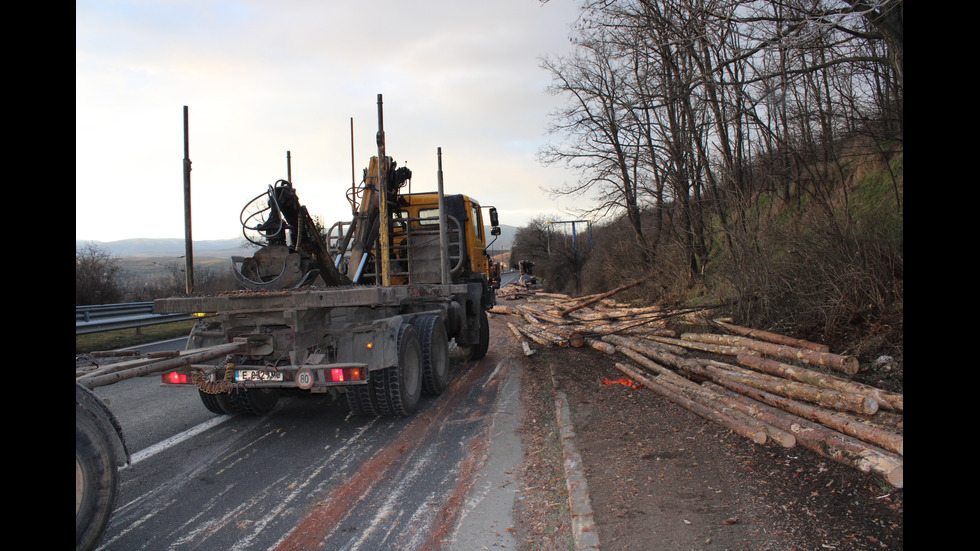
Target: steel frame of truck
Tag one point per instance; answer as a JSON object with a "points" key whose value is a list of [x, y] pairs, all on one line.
{"points": [[381, 346]]}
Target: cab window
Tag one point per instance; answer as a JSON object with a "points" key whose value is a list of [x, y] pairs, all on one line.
{"points": [[477, 226], [429, 213]]}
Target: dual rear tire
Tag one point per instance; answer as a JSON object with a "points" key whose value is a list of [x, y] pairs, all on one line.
{"points": [[250, 401], [422, 368]]}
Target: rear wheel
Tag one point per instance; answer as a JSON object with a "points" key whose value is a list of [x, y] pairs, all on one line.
{"points": [[479, 350], [254, 401], [398, 388], [211, 402], [362, 401], [96, 480], [435, 354]]}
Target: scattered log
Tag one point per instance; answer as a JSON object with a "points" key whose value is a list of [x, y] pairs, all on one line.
{"points": [[887, 400], [840, 423], [756, 434], [601, 346], [722, 349], [836, 446], [772, 337], [617, 313], [607, 294], [641, 346], [566, 334], [846, 364], [761, 398], [825, 397], [529, 332], [719, 402], [521, 339], [539, 314]]}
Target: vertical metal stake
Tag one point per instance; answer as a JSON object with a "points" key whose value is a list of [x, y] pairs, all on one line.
{"points": [[443, 241], [188, 241], [383, 200]]}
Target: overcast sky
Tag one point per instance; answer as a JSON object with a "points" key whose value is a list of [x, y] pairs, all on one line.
{"points": [[261, 78]]}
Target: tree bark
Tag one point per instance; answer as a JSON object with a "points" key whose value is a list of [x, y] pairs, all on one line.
{"points": [[712, 399], [772, 337], [756, 434], [607, 294], [846, 364], [873, 435], [836, 446], [886, 400]]}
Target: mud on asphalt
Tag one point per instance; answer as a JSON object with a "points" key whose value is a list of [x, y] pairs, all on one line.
{"points": [[662, 478]]}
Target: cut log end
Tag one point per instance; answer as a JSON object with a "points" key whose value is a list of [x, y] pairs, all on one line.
{"points": [[896, 477], [869, 405]]}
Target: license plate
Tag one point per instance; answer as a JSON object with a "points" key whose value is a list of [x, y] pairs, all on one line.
{"points": [[252, 375]]}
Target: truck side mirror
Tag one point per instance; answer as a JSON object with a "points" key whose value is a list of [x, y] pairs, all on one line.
{"points": [[493, 219], [495, 230]]}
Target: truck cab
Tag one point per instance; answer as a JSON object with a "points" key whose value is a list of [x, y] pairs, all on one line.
{"points": [[416, 238]]}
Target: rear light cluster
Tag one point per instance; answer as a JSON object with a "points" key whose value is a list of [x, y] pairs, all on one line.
{"points": [[304, 377], [341, 375]]}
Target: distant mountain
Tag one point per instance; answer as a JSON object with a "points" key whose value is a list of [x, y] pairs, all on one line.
{"points": [[504, 241], [226, 248], [137, 248]]}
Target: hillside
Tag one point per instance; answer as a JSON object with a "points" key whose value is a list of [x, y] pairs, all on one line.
{"points": [[224, 248], [170, 248]]}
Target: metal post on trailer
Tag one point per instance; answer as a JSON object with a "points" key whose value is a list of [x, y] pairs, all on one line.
{"points": [[188, 241]]}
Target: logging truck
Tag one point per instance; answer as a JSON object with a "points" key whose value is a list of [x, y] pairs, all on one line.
{"points": [[372, 312]]}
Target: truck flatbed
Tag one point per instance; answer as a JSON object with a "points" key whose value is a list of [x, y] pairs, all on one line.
{"points": [[262, 301]]}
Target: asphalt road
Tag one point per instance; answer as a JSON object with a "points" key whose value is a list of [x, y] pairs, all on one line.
{"points": [[311, 476]]}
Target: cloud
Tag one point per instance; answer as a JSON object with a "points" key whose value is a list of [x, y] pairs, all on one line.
{"points": [[261, 79]]}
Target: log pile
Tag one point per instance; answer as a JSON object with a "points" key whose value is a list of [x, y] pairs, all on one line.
{"points": [[764, 386]]}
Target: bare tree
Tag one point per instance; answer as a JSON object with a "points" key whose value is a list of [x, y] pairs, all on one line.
{"points": [[96, 276]]}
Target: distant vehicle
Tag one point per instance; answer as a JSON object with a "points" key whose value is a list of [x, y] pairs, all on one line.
{"points": [[527, 277]]}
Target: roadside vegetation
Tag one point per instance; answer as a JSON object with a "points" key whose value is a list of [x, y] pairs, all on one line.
{"points": [[749, 155], [101, 278], [124, 338]]}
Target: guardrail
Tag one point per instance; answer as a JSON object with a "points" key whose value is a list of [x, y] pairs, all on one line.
{"points": [[129, 315]]}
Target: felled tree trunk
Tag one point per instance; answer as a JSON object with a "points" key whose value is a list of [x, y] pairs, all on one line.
{"points": [[521, 339], [772, 337], [846, 425], [838, 447], [754, 433], [887, 400], [846, 364], [825, 397], [722, 403]]}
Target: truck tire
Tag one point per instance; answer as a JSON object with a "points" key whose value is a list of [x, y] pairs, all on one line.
{"points": [[480, 349], [362, 401], [254, 401], [398, 388], [96, 480], [435, 354], [211, 402]]}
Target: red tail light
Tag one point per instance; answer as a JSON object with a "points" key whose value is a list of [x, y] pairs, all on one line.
{"points": [[175, 378]]}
